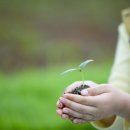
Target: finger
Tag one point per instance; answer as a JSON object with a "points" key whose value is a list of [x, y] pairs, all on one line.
{"points": [[59, 104], [65, 116], [59, 112], [91, 84], [78, 107], [69, 117], [72, 113], [79, 121], [85, 100], [77, 114], [73, 86], [84, 92], [104, 88]]}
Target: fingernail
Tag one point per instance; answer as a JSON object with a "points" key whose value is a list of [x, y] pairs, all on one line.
{"points": [[62, 99], [84, 92], [64, 116], [75, 121], [59, 112], [60, 105], [65, 111]]}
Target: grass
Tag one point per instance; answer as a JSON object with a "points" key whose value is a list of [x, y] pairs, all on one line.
{"points": [[28, 98]]}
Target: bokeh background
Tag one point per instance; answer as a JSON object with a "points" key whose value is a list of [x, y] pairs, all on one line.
{"points": [[41, 38]]}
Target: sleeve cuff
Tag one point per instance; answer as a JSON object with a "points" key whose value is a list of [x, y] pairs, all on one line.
{"points": [[116, 125]]}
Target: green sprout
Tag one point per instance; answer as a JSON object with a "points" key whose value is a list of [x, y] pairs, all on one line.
{"points": [[80, 69]]}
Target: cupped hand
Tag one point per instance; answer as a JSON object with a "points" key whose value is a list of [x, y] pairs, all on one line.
{"points": [[105, 101], [60, 105]]}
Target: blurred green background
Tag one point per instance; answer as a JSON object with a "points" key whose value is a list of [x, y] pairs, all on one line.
{"points": [[40, 39]]}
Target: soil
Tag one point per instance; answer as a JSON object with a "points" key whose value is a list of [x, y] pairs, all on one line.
{"points": [[78, 89]]}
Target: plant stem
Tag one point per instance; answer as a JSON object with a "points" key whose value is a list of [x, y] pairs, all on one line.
{"points": [[82, 75]]}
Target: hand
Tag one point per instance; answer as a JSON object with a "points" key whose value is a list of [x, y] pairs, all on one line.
{"points": [[60, 105], [106, 101]]}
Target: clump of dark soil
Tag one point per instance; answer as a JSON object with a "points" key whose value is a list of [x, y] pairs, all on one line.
{"points": [[79, 89]]}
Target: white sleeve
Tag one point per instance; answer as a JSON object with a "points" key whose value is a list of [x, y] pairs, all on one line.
{"points": [[120, 75]]}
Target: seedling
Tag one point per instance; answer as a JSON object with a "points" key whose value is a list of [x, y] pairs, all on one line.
{"points": [[80, 69]]}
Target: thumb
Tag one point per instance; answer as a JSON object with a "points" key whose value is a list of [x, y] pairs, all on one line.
{"points": [[84, 92], [93, 91]]}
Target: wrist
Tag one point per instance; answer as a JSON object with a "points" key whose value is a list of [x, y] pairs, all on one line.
{"points": [[124, 106]]}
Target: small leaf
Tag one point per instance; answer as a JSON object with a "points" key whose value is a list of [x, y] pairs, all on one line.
{"points": [[67, 71], [83, 65]]}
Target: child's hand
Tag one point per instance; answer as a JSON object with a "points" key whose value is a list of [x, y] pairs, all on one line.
{"points": [[60, 105], [106, 101]]}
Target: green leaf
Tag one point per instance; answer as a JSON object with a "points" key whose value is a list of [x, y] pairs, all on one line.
{"points": [[70, 70], [83, 65]]}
